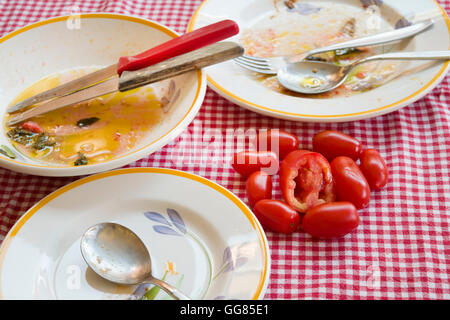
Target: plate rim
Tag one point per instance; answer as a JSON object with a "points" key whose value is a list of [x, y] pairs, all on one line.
{"points": [[262, 238], [270, 111]]}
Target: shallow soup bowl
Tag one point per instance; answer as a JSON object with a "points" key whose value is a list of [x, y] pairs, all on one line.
{"points": [[92, 41]]}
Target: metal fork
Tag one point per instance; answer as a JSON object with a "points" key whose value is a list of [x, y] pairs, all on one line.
{"points": [[272, 65]]}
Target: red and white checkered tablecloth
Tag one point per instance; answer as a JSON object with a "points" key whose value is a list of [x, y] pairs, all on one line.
{"points": [[401, 250]]}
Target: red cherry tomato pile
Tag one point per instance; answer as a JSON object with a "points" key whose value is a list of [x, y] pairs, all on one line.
{"points": [[323, 189]]}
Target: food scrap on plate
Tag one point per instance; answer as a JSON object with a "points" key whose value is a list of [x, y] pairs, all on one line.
{"points": [[303, 26]]}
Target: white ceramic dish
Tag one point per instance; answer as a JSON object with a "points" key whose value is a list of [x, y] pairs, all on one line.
{"points": [[47, 47], [213, 241], [417, 79]]}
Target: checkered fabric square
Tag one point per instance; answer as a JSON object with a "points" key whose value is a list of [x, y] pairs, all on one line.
{"points": [[401, 250]]}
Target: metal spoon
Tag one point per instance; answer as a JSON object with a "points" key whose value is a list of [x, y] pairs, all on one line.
{"points": [[312, 77], [117, 254]]}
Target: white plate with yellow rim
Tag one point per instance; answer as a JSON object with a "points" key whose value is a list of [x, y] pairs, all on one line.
{"points": [[269, 21], [92, 40], [201, 238]]}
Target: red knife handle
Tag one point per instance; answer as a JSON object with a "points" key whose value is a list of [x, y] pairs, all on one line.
{"points": [[187, 42]]}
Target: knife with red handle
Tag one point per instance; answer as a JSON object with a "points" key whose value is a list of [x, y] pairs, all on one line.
{"points": [[197, 59], [186, 43]]}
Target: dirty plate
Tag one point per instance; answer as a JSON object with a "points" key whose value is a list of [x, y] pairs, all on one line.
{"points": [[60, 47], [201, 237], [277, 27]]}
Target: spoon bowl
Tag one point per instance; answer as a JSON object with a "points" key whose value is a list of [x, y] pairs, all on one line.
{"points": [[312, 77], [117, 254]]}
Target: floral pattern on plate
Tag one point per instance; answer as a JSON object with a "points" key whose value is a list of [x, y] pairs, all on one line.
{"points": [[233, 256]]}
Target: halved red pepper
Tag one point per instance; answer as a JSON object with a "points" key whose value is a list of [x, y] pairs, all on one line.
{"points": [[306, 180]]}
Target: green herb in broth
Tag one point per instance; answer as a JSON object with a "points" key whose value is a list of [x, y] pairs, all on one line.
{"points": [[43, 141], [87, 122], [21, 136], [81, 161], [7, 152], [37, 141]]}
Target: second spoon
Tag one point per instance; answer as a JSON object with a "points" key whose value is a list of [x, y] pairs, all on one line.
{"points": [[313, 77]]}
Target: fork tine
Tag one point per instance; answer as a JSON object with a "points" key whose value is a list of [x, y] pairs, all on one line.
{"points": [[255, 68], [255, 62], [252, 64], [254, 58]]}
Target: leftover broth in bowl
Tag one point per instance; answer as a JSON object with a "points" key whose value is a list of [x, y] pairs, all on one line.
{"points": [[89, 132], [101, 134]]}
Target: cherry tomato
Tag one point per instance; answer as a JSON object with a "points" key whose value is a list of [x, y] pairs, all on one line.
{"points": [[278, 141], [277, 216], [247, 162], [331, 220], [374, 168], [32, 126], [306, 180], [351, 185], [332, 144], [258, 187]]}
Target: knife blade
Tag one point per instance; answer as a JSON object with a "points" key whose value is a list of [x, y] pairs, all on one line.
{"points": [[190, 61], [187, 42], [105, 87], [66, 88]]}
